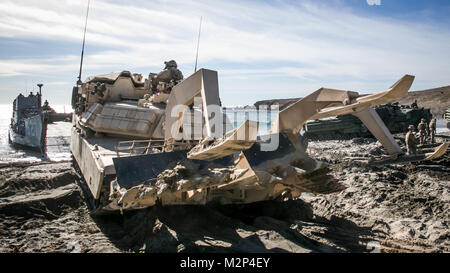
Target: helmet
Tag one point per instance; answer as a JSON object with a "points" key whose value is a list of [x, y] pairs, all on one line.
{"points": [[411, 127], [423, 120], [171, 63]]}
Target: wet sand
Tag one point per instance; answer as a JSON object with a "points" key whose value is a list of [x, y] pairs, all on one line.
{"points": [[396, 208]]}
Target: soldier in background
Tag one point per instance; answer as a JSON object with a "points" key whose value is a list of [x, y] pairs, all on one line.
{"points": [[411, 141], [422, 127], [414, 105], [46, 106], [432, 127]]}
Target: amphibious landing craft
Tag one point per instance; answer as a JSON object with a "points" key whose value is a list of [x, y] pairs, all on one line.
{"points": [[166, 140], [28, 128]]}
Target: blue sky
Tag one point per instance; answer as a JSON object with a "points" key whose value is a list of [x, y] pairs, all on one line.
{"points": [[261, 49]]}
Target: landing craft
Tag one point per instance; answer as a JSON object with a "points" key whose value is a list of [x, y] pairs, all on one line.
{"points": [[28, 128], [165, 139]]}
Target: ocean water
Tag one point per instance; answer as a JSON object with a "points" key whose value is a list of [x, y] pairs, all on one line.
{"points": [[58, 133]]}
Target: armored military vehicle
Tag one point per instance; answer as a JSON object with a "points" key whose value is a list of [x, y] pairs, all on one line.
{"points": [[27, 128], [166, 140], [396, 117]]}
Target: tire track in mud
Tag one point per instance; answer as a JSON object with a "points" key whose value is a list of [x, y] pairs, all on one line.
{"points": [[40, 189]]}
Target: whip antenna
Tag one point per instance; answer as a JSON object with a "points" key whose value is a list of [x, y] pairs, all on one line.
{"points": [[198, 43], [84, 39]]}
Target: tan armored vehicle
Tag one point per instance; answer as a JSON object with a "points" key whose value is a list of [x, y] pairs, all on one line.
{"points": [[165, 139]]}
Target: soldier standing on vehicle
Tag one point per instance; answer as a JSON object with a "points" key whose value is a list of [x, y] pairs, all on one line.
{"points": [[432, 127], [411, 141], [422, 127]]}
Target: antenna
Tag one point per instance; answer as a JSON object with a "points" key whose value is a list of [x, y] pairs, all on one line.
{"points": [[198, 43], [40, 87], [84, 38], [40, 93]]}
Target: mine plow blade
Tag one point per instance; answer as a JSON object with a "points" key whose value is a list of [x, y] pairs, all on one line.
{"points": [[252, 175], [235, 141], [404, 159], [327, 102]]}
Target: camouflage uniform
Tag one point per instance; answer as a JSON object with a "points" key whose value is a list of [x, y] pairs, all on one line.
{"points": [[432, 128], [411, 141], [422, 127]]}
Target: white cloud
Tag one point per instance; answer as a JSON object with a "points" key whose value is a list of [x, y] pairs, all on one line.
{"points": [[307, 42], [373, 2], [9, 68]]}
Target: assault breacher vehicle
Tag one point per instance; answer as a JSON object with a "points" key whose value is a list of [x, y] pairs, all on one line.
{"points": [[165, 140]]}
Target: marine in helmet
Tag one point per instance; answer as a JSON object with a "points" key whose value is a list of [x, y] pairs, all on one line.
{"points": [[166, 79], [414, 105], [411, 141], [422, 127], [432, 128], [163, 82], [170, 74], [176, 74]]}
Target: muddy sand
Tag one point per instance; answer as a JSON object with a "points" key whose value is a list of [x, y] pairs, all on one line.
{"points": [[396, 208]]}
